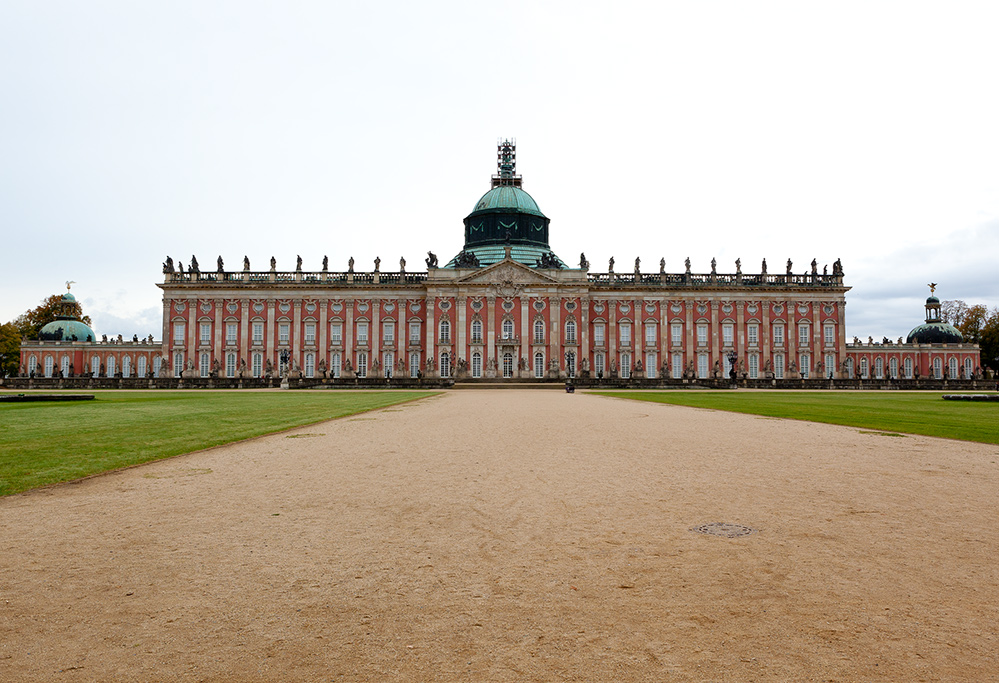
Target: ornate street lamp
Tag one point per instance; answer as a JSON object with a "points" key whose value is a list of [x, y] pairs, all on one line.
{"points": [[732, 358]]}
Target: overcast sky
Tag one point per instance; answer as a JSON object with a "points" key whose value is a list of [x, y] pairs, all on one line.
{"points": [[866, 131]]}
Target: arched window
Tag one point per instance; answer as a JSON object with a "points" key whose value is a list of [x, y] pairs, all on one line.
{"points": [[508, 364], [625, 363], [230, 365], [907, 365], [570, 363], [362, 364], [414, 364], [140, 366], [677, 366], [445, 364], [570, 331], [64, 366], [952, 368], [126, 366], [335, 365], [539, 364], [893, 368], [600, 364], [95, 366], [178, 363], [507, 329], [754, 366], [864, 367], [702, 365], [476, 331], [849, 368], [310, 365], [204, 364], [445, 329], [539, 332], [388, 363], [831, 366], [937, 368], [157, 365], [650, 364], [111, 366], [778, 366], [257, 365], [33, 364], [805, 365], [969, 369], [49, 365], [477, 364], [879, 368]]}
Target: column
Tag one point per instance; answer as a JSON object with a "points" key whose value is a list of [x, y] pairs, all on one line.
{"points": [[296, 336], [402, 337], [376, 325], [461, 351], [270, 333], [431, 330]]}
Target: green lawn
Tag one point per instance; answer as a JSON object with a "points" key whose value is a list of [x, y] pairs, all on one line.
{"points": [[912, 413], [44, 443]]}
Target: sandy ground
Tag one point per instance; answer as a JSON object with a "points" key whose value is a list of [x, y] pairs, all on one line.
{"points": [[515, 535]]}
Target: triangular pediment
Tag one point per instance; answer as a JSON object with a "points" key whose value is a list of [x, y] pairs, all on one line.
{"points": [[507, 272]]}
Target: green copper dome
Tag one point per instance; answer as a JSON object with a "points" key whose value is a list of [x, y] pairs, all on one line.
{"points": [[934, 333], [66, 330], [507, 198]]}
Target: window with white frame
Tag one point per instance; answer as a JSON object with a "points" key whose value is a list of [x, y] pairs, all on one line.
{"points": [[257, 365], [598, 334], [310, 365], [937, 368], [476, 365], [362, 364], [702, 334], [362, 334], [754, 366], [879, 368], [95, 366], [893, 368], [388, 332], [702, 365], [829, 334], [650, 334], [205, 365], [849, 368], [33, 364], [336, 333], [539, 364], [336, 364], [864, 368], [779, 366], [178, 332], [907, 366], [206, 333], [728, 333], [779, 335], [414, 332], [676, 332], [804, 365], [677, 365], [126, 366], [477, 333], [650, 364], [753, 334], [599, 364], [49, 366], [111, 366], [230, 333], [284, 332], [445, 364], [258, 333], [831, 365], [140, 366], [539, 332], [230, 364], [508, 365], [445, 337], [969, 369], [310, 333], [507, 329], [803, 335], [388, 363], [952, 368], [625, 370], [414, 364], [625, 334], [570, 331], [64, 366]]}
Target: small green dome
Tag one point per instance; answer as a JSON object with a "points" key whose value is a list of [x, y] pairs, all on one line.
{"points": [[932, 300], [68, 297], [507, 198], [64, 330]]}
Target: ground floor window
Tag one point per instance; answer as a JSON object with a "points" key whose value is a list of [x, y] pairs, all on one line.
{"points": [[805, 365], [507, 365], [570, 363], [702, 365], [178, 363], [476, 365], [362, 364], [414, 364], [205, 365], [830, 365], [140, 366], [907, 367], [650, 365], [625, 366], [111, 366], [893, 368], [445, 364], [952, 368], [310, 365], [849, 368], [600, 364], [49, 365], [336, 365], [388, 363], [126, 366], [968, 369], [230, 365], [95, 366], [754, 366], [539, 364], [864, 368], [64, 366], [257, 364], [779, 366], [937, 368], [879, 368], [677, 365]]}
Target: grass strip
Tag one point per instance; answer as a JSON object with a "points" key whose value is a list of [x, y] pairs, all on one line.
{"points": [[45, 443], [922, 413]]}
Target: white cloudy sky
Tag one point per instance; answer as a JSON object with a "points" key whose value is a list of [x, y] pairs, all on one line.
{"points": [[866, 131]]}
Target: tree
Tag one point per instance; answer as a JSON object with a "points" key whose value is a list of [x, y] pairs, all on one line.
{"points": [[10, 350], [29, 322], [988, 340], [953, 311]]}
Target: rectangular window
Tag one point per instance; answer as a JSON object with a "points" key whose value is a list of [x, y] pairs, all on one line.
{"points": [[830, 334], [677, 365], [702, 335], [625, 335], [388, 332], [362, 336], [230, 365], [206, 333], [650, 334], [178, 333], [414, 332], [599, 365], [779, 366], [335, 365], [727, 334], [231, 330], [778, 335], [362, 364], [831, 365], [258, 365], [284, 329], [803, 334], [310, 333], [702, 366], [414, 364], [258, 335], [650, 365], [754, 366], [625, 365], [753, 334], [804, 365], [598, 334], [676, 332], [336, 333]]}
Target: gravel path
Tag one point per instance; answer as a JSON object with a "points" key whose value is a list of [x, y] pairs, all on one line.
{"points": [[515, 535]]}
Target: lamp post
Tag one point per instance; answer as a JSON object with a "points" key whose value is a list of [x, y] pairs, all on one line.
{"points": [[570, 363], [284, 355], [732, 358]]}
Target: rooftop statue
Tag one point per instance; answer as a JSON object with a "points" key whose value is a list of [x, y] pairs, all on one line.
{"points": [[815, 267], [218, 263], [714, 265], [764, 267], [402, 264], [638, 264], [738, 266], [246, 263], [168, 265], [273, 263], [378, 263], [662, 265], [610, 265], [298, 262], [350, 265], [583, 263], [431, 259], [326, 262], [194, 264], [789, 264]]}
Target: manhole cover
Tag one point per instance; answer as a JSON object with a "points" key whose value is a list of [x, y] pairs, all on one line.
{"points": [[724, 529]]}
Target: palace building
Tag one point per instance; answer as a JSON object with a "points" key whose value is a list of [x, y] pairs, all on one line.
{"points": [[505, 308]]}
